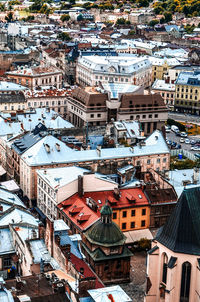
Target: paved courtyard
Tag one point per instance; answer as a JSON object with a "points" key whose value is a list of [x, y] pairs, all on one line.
{"points": [[136, 288]]}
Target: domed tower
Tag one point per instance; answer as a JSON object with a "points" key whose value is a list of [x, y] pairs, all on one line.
{"points": [[105, 250]]}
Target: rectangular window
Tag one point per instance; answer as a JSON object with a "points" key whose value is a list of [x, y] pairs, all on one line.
{"points": [[91, 115], [164, 160], [124, 214], [148, 161], [158, 160], [114, 215], [124, 226], [143, 222], [138, 163], [132, 213], [98, 115], [132, 224], [143, 212]]}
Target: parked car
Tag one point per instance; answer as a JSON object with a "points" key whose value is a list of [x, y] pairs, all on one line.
{"points": [[174, 128], [182, 140], [184, 134], [167, 129], [187, 141], [169, 142], [178, 146], [192, 142], [178, 133], [195, 148], [173, 145], [197, 155]]}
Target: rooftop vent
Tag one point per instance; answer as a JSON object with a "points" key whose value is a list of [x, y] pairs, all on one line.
{"points": [[57, 147], [47, 148]]}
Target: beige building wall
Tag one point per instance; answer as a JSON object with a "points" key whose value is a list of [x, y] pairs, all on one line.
{"points": [[173, 284]]}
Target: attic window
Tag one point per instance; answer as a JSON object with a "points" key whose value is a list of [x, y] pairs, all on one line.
{"points": [[140, 196]]}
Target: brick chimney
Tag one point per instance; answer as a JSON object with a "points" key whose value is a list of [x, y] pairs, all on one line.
{"points": [[80, 186], [41, 231]]}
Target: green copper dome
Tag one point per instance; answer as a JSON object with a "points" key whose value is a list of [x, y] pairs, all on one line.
{"points": [[105, 234], [106, 210]]}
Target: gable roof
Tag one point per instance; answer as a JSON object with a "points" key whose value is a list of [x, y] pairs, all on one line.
{"points": [[17, 215], [36, 155], [181, 233]]}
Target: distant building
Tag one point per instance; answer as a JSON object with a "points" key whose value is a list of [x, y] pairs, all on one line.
{"points": [[12, 97], [188, 92], [48, 97], [160, 67], [117, 69], [50, 152], [166, 90], [36, 76], [119, 102]]}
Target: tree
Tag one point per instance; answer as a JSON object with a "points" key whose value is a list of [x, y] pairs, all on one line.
{"points": [[2, 7], [168, 17], [121, 21], [131, 32], [9, 17], [65, 17], [87, 5], [153, 22], [158, 10], [64, 36]]}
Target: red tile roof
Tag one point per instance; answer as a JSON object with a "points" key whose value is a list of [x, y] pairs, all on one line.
{"points": [[83, 216], [79, 263], [75, 207]]}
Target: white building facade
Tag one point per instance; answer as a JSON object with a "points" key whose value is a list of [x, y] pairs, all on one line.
{"points": [[116, 69]]}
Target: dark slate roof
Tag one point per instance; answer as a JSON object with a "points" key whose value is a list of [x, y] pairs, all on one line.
{"points": [[22, 144], [153, 250], [99, 255], [172, 262], [181, 233]]}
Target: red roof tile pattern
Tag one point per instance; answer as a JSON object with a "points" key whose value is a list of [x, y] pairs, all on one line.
{"points": [[83, 216]]}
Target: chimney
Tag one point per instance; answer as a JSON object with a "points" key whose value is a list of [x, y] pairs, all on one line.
{"points": [[47, 148], [98, 151], [41, 231], [117, 193], [66, 249], [57, 239], [195, 175], [80, 186], [58, 147]]}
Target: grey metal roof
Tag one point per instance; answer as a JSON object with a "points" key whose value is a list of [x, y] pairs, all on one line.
{"points": [[6, 242], [28, 140]]}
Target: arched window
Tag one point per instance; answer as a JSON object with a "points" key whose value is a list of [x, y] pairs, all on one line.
{"points": [[185, 282], [164, 271]]}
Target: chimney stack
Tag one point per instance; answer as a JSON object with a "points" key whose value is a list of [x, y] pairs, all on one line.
{"points": [[80, 186], [98, 151]]}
